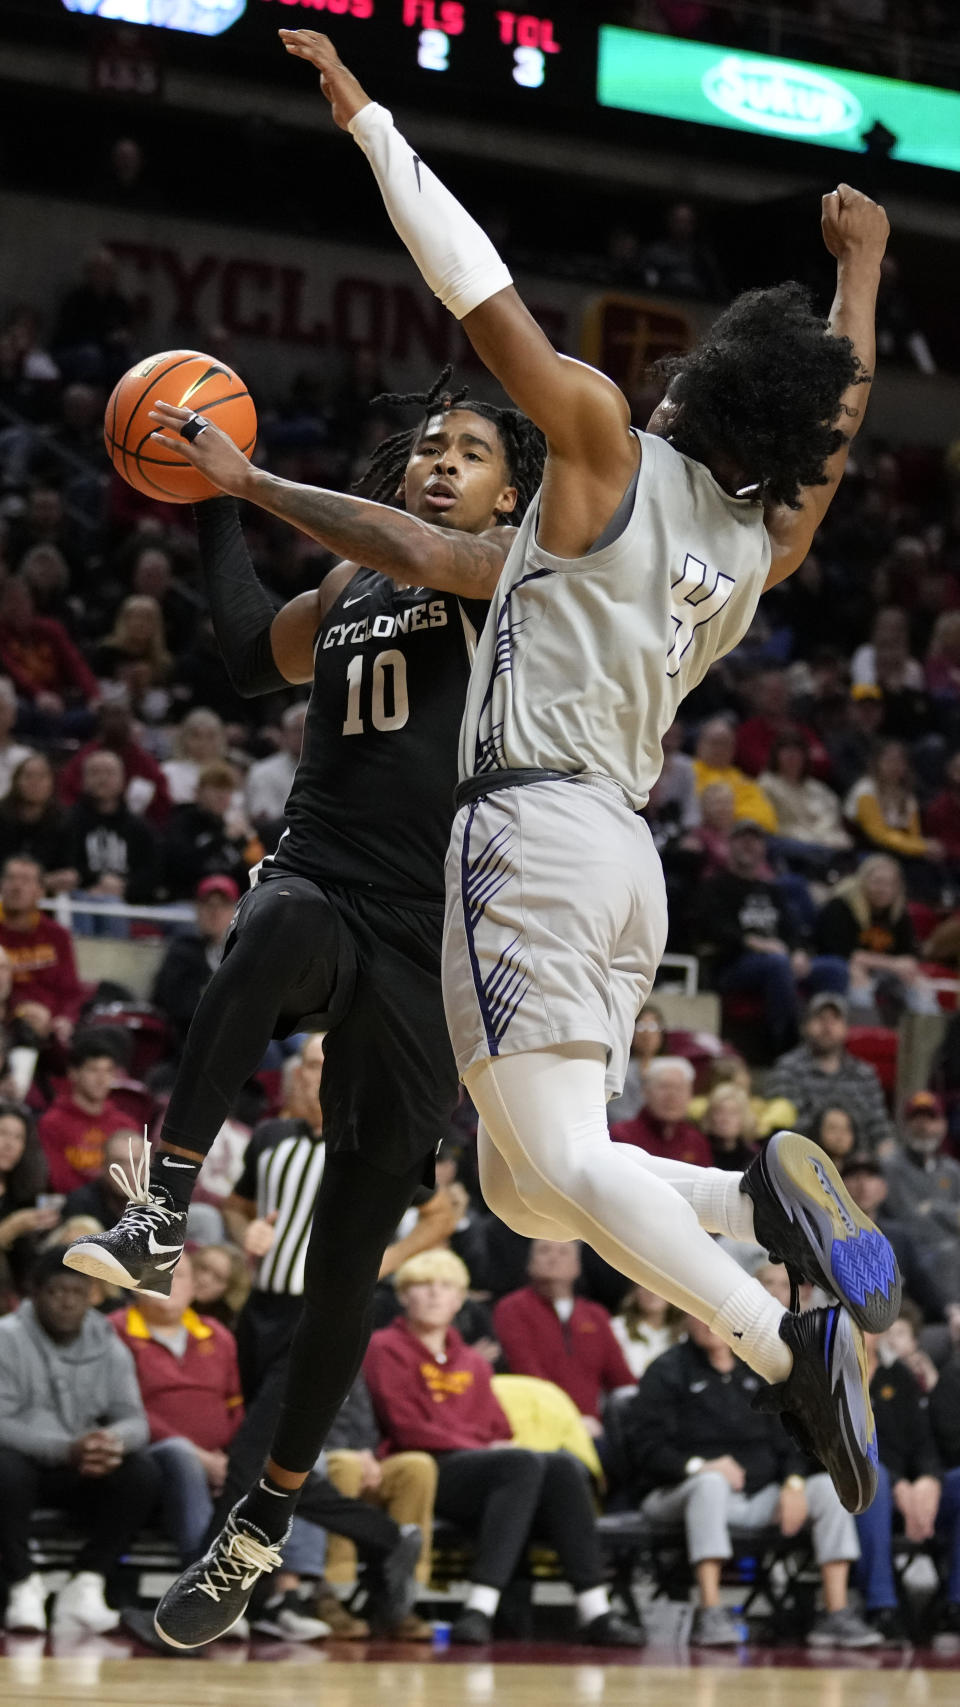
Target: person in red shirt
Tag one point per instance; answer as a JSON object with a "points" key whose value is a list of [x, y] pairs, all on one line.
{"points": [[190, 1387], [76, 1126], [146, 790], [47, 994], [433, 1393], [661, 1127], [770, 696], [546, 1330], [941, 819], [38, 655]]}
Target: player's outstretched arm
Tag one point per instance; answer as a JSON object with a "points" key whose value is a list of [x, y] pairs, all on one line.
{"points": [[582, 414], [411, 551], [855, 230]]}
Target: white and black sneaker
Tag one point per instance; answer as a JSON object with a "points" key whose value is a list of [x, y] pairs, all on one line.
{"points": [[286, 1617], [210, 1596], [143, 1249]]}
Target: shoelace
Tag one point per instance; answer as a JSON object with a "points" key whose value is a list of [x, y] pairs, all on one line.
{"points": [[143, 1209], [241, 1553]]}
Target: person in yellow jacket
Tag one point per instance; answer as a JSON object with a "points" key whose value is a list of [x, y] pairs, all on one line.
{"points": [[884, 808], [714, 763]]}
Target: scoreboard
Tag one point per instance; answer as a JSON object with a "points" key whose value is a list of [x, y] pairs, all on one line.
{"points": [[476, 51]]}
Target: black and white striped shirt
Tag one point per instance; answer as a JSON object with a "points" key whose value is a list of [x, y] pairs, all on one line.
{"points": [[282, 1170]]}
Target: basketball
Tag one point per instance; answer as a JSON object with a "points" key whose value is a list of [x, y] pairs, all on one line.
{"points": [[190, 380]]}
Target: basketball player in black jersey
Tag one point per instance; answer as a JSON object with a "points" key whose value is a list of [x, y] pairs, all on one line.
{"points": [[342, 929]]}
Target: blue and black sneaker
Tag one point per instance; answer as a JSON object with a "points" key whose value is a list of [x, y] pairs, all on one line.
{"points": [[824, 1404], [805, 1217], [210, 1596]]}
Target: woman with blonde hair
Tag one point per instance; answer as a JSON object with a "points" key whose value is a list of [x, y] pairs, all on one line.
{"points": [[221, 1282], [199, 740], [138, 636], [646, 1326], [866, 922], [433, 1393], [730, 1126], [942, 663]]}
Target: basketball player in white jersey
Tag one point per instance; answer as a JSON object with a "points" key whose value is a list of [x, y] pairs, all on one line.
{"points": [[639, 563]]}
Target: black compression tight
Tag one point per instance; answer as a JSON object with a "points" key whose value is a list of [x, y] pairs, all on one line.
{"points": [[358, 1209], [283, 960]]}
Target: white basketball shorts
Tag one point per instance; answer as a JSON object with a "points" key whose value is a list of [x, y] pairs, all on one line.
{"points": [[555, 924]]}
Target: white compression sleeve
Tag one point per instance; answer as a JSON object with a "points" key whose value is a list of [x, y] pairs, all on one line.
{"points": [[456, 258]]}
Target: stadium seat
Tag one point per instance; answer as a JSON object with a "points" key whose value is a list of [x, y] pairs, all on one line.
{"points": [[147, 1032], [878, 1045]]}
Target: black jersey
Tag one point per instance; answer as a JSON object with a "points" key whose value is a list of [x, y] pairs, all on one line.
{"points": [[372, 801]]}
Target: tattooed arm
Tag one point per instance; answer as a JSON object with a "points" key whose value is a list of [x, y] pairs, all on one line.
{"points": [[410, 551]]}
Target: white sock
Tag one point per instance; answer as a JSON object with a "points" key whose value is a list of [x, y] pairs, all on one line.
{"points": [[593, 1603], [713, 1194], [482, 1598], [750, 1324]]}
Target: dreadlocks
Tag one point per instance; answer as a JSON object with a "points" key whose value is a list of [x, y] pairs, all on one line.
{"points": [[524, 446], [764, 386]]}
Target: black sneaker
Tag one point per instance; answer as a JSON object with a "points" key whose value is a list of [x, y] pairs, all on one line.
{"points": [[805, 1217], [472, 1629], [609, 1631], [888, 1623], [209, 1596], [825, 1401], [143, 1249], [395, 1588]]}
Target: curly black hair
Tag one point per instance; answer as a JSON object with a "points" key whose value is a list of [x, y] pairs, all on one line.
{"points": [[764, 388], [524, 446]]}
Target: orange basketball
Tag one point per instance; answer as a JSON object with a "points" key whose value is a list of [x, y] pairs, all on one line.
{"points": [[191, 381]]}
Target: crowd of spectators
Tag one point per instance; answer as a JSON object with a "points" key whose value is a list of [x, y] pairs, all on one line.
{"points": [[808, 817]]}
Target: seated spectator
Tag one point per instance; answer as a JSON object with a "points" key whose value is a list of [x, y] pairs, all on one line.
{"points": [[680, 263], [221, 1282], [821, 1073], [191, 959], [771, 723], [151, 573], [269, 780], [884, 661], [93, 336], [942, 666], [661, 1127], [647, 1042], [883, 807], [924, 1185], [770, 1114], [941, 819], [26, 1209], [717, 820], [72, 1430], [76, 1126], [730, 1127], [103, 1197], [190, 1386], [198, 741], [915, 1495], [900, 1341], [753, 939], [703, 1457], [114, 852], [546, 1330], [866, 1181], [809, 827], [835, 1133], [432, 1393], [41, 660], [200, 841], [403, 1484], [47, 995], [47, 572], [716, 745], [32, 822], [137, 638], [866, 921], [852, 743], [646, 1326], [12, 753], [146, 785]]}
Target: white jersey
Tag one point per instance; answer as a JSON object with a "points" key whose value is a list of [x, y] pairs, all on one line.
{"points": [[583, 662]]}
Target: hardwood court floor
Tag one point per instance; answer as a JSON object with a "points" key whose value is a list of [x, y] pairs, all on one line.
{"points": [[308, 1681]]}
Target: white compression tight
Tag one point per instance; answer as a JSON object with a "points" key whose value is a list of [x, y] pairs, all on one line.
{"points": [[550, 1171]]}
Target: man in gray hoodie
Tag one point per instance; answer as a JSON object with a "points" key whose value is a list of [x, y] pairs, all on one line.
{"points": [[72, 1433]]}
